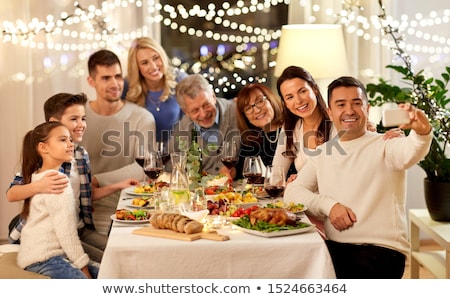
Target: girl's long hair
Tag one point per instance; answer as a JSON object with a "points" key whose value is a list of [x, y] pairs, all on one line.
{"points": [[290, 119], [137, 87], [31, 159]]}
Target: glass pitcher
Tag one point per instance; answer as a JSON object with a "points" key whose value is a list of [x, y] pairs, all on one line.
{"points": [[178, 159], [179, 193]]}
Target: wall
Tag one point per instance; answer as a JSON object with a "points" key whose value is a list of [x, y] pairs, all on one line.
{"points": [[47, 72]]}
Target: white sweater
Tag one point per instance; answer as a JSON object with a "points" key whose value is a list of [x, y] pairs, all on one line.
{"points": [[368, 175], [303, 153], [51, 229]]}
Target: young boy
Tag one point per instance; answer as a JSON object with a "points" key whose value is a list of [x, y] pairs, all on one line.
{"points": [[69, 109]]}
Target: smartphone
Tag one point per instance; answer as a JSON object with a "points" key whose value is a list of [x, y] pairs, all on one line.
{"points": [[394, 117]]}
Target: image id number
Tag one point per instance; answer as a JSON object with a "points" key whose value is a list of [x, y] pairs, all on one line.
{"points": [[313, 288]]}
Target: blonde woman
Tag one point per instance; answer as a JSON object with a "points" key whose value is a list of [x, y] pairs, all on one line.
{"points": [[151, 84]]}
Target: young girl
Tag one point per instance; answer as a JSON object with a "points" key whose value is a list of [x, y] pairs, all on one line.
{"points": [[49, 243]]}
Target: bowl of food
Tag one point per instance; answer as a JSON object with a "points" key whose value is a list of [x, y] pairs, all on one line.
{"points": [[215, 180]]}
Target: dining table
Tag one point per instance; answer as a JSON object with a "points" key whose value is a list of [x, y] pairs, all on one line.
{"points": [[134, 256]]}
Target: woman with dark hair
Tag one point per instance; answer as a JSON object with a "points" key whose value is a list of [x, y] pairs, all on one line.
{"points": [[306, 121]]}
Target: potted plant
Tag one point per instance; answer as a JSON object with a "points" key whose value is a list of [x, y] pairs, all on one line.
{"points": [[432, 96]]}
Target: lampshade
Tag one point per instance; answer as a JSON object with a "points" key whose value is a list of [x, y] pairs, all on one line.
{"points": [[319, 48]]}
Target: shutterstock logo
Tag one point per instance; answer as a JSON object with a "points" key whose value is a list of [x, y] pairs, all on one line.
{"points": [[117, 143], [328, 148], [122, 143]]}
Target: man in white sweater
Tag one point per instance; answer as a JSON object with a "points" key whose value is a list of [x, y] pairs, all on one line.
{"points": [[357, 183]]}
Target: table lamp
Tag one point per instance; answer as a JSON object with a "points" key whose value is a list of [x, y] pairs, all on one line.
{"points": [[319, 48]]}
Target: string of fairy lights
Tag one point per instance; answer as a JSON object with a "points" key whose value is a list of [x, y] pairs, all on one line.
{"points": [[84, 29], [101, 28]]}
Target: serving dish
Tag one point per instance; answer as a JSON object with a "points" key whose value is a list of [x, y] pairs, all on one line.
{"points": [[235, 198], [214, 180], [296, 208], [279, 233]]}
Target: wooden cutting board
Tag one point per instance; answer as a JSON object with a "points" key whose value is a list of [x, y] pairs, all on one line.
{"points": [[170, 234]]}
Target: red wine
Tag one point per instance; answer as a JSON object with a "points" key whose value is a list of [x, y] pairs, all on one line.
{"points": [[253, 178], [274, 191], [140, 161], [165, 159], [229, 162], [153, 173]]}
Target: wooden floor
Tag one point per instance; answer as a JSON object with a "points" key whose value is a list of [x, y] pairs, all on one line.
{"points": [[423, 272]]}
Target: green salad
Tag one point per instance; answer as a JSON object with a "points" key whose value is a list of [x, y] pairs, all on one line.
{"points": [[264, 226]]}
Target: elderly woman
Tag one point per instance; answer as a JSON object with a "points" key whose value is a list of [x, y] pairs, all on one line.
{"points": [[260, 120]]}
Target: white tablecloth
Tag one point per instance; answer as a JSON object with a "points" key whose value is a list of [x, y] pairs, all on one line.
{"points": [[129, 255]]}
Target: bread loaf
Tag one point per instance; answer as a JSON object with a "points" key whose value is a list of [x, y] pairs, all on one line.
{"points": [[176, 222], [193, 227]]}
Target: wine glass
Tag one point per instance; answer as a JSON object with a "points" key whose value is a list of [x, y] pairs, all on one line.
{"points": [[274, 181], [153, 165], [252, 170], [163, 149], [140, 157], [229, 154]]}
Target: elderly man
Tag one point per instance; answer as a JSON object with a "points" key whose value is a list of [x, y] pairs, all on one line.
{"points": [[213, 117]]}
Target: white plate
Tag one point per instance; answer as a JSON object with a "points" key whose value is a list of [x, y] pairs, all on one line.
{"points": [[130, 190], [113, 217], [301, 211], [148, 207], [277, 233]]}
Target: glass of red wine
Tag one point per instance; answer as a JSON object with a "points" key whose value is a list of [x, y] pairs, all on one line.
{"points": [[140, 157], [229, 154], [163, 149], [274, 181], [153, 165], [252, 170]]}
